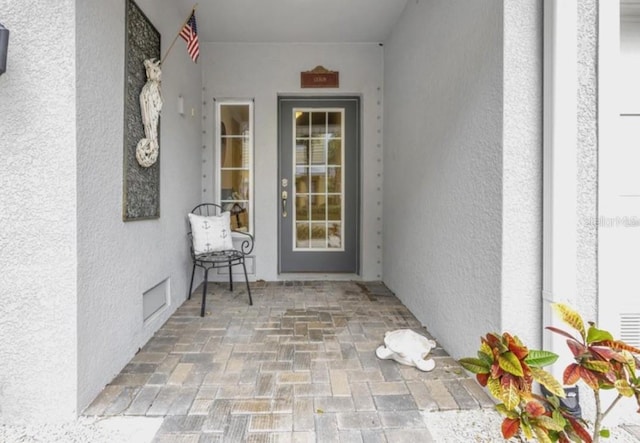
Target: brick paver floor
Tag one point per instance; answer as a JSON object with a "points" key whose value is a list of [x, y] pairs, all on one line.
{"points": [[299, 365]]}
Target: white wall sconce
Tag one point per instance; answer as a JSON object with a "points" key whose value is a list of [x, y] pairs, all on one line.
{"points": [[4, 48], [181, 105]]}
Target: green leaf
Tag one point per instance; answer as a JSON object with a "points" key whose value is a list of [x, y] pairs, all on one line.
{"points": [[557, 416], [538, 359], [547, 380], [549, 423], [605, 433], [510, 363], [597, 365], [624, 388], [475, 365], [486, 358], [595, 335]]}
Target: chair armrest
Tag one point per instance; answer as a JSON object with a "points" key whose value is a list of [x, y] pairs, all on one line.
{"points": [[246, 245]]}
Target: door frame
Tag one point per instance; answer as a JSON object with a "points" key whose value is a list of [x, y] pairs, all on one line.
{"points": [[357, 170]]}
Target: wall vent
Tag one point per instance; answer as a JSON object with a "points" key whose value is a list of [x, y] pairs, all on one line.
{"points": [[155, 299], [630, 328]]}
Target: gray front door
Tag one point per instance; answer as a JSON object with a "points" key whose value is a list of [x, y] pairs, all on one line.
{"points": [[319, 180]]}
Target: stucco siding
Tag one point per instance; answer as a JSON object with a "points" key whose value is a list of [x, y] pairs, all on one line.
{"points": [[38, 214], [443, 167], [118, 261], [522, 171]]}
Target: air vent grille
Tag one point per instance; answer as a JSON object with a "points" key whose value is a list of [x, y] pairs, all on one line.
{"points": [[630, 328]]}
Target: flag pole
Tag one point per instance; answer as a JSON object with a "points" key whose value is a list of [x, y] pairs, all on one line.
{"points": [[178, 34]]}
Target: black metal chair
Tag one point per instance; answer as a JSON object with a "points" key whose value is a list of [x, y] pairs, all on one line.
{"points": [[219, 259]]}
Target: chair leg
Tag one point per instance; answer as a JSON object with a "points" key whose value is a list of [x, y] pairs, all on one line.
{"points": [[230, 278], [193, 272], [246, 278], [204, 292]]}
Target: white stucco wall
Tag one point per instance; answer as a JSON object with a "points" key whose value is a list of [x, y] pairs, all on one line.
{"points": [[38, 213], [264, 71], [118, 261], [73, 271], [462, 150], [522, 171]]}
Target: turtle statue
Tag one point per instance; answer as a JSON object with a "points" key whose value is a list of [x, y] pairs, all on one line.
{"points": [[408, 348]]}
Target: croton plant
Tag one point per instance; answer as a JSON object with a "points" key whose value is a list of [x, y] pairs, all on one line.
{"points": [[508, 369]]}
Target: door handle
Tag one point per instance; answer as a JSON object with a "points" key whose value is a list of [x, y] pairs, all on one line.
{"points": [[285, 195]]}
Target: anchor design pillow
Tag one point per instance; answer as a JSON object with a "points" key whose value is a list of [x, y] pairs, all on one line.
{"points": [[211, 233]]}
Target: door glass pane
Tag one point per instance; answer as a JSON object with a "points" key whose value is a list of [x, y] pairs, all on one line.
{"points": [[302, 124], [302, 235], [302, 152], [318, 235], [319, 178], [302, 207], [334, 180], [335, 152], [318, 123], [236, 118], [335, 235]]}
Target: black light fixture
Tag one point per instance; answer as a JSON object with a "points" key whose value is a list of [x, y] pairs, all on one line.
{"points": [[4, 47]]}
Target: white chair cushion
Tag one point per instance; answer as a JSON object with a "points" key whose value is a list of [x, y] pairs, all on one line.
{"points": [[211, 233]]}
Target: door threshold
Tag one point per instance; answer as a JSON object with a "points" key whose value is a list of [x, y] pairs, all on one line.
{"points": [[324, 276]]}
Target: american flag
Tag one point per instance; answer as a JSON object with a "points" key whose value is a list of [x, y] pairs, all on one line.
{"points": [[189, 33]]}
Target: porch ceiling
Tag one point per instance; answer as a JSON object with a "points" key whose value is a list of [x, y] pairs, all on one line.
{"points": [[302, 21]]}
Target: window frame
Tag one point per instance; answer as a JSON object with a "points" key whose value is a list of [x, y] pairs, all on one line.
{"points": [[218, 168]]}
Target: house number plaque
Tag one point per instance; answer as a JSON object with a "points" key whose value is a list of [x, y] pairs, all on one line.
{"points": [[319, 77]]}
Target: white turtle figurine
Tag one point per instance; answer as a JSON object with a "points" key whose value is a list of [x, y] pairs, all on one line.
{"points": [[407, 347]]}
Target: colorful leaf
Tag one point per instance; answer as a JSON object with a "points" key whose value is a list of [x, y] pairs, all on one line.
{"points": [[597, 365], [589, 378], [595, 335], [475, 365], [619, 345], [515, 346], [538, 359], [548, 381], [624, 388], [493, 385], [542, 435], [570, 317], [549, 423], [577, 349], [606, 353], [510, 427], [510, 363], [510, 394], [561, 332], [482, 379], [580, 430], [534, 408], [571, 374], [558, 418], [605, 433]]}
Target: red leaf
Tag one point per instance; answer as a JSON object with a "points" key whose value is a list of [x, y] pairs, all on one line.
{"points": [[606, 353], [534, 408], [482, 379], [510, 427], [620, 346], [561, 332], [582, 432], [571, 374], [576, 348], [589, 378]]}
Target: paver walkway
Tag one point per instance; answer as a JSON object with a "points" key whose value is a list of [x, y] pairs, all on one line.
{"points": [[298, 365]]}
